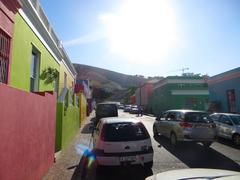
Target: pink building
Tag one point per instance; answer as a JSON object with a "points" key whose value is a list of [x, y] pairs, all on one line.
{"points": [[144, 92]]}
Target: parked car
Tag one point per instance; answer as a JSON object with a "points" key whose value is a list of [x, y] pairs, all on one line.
{"points": [[122, 141], [186, 125], [121, 106], [228, 126], [127, 108], [134, 109], [196, 173], [105, 110]]}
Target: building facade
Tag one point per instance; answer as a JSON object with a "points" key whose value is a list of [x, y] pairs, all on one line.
{"points": [[143, 94], [8, 10], [36, 91], [179, 92], [224, 91]]}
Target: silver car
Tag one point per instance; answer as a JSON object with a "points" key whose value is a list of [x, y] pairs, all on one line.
{"points": [[186, 125], [228, 126]]}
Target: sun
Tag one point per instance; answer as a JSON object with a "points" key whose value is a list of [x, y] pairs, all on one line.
{"points": [[143, 31]]}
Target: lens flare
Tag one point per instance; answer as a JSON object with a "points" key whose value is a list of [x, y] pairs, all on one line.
{"points": [[87, 154]]}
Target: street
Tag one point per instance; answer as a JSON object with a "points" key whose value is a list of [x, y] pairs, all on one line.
{"points": [[221, 155]]}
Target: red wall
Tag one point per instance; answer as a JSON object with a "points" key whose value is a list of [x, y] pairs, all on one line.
{"points": [[27, 133]]}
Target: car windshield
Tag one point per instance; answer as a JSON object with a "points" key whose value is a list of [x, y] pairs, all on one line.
{"points": [[197, 117], [236, 119], [125, 132]]}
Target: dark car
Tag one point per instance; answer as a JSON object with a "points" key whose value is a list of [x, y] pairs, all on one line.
{"points": [[105, 110]]}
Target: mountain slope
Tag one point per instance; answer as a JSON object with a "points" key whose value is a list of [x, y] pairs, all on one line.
{"points": [[102, 78], [106, 84]]}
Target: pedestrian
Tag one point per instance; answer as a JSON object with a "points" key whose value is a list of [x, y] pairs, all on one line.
{"points": [[139, 111]]}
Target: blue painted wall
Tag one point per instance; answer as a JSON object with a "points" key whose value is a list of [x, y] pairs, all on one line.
{"points": [[218, 92]]}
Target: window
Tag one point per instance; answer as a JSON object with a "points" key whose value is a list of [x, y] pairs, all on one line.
{"points": [[125, 132], [4, 56], [231, 98], [172, 116], [215, 117], [236, 119], [198, 117], [56, 84], [65, 80], [34, 73], [225, 120]]}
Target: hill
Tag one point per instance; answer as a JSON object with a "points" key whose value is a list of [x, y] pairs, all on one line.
{"points": [[105, 78], [115, 84]]}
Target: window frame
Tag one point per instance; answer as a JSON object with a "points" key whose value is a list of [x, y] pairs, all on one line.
{"points": [[35, 69]]}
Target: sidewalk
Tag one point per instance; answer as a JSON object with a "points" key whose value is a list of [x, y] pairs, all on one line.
{"points": [[69, 159]]}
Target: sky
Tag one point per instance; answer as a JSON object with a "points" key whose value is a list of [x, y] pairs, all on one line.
{"points": [[149, 37]]}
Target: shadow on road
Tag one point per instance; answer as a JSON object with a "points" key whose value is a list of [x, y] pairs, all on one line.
{"points": [[87, 129], [228, 143], [198, 156], [123, 173], [86, 171]]}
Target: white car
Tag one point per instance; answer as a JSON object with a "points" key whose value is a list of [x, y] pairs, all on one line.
{"points": [[196, 173], [122, 141]]}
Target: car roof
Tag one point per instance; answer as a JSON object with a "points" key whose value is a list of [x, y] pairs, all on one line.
{"points": [[106, 103], [111, 120], [185, 110], [227, 114]]}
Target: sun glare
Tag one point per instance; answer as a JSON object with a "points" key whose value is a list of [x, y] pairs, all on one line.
{"points": [[142, 30]]}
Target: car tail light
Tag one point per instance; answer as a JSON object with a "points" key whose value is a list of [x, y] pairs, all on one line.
{"points": [[102, 136], [186, 125]]}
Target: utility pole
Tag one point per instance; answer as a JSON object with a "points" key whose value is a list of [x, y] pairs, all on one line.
{"points": [[183, 69]]}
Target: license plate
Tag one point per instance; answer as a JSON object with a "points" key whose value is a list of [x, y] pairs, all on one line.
{"points": [[127, 158]]}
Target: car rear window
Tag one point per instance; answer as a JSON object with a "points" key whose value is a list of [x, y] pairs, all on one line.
{"points": [[198, 117], [107, 110], [125, 132]]}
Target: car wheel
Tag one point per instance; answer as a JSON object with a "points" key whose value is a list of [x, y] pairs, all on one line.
{"points": [[173, 139], [236, 139], [148, 165], [155, 133], [207, 144]]}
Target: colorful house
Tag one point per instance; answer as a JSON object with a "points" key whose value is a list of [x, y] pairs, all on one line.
{"points": [[27, 123], [144, 93], [179, 92], [224, 91], [38, 106], [83, 86]]}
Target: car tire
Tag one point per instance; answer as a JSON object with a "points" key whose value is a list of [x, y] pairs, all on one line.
{"points": [[173, 139], [148, 165], [236, 139], [99, 171], [155, 132], [207, 144]]}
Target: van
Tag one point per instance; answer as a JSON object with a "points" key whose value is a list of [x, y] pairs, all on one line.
{"points": [[105, 110]]}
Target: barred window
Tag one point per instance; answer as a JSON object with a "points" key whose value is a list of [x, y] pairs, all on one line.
{"points": [[4, 56]]}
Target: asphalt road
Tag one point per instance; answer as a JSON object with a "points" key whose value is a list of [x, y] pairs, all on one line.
{"points": [[221, 155]]}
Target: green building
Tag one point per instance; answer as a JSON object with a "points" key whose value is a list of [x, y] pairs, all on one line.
{"points": [[179, 92], [39, 63]]}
